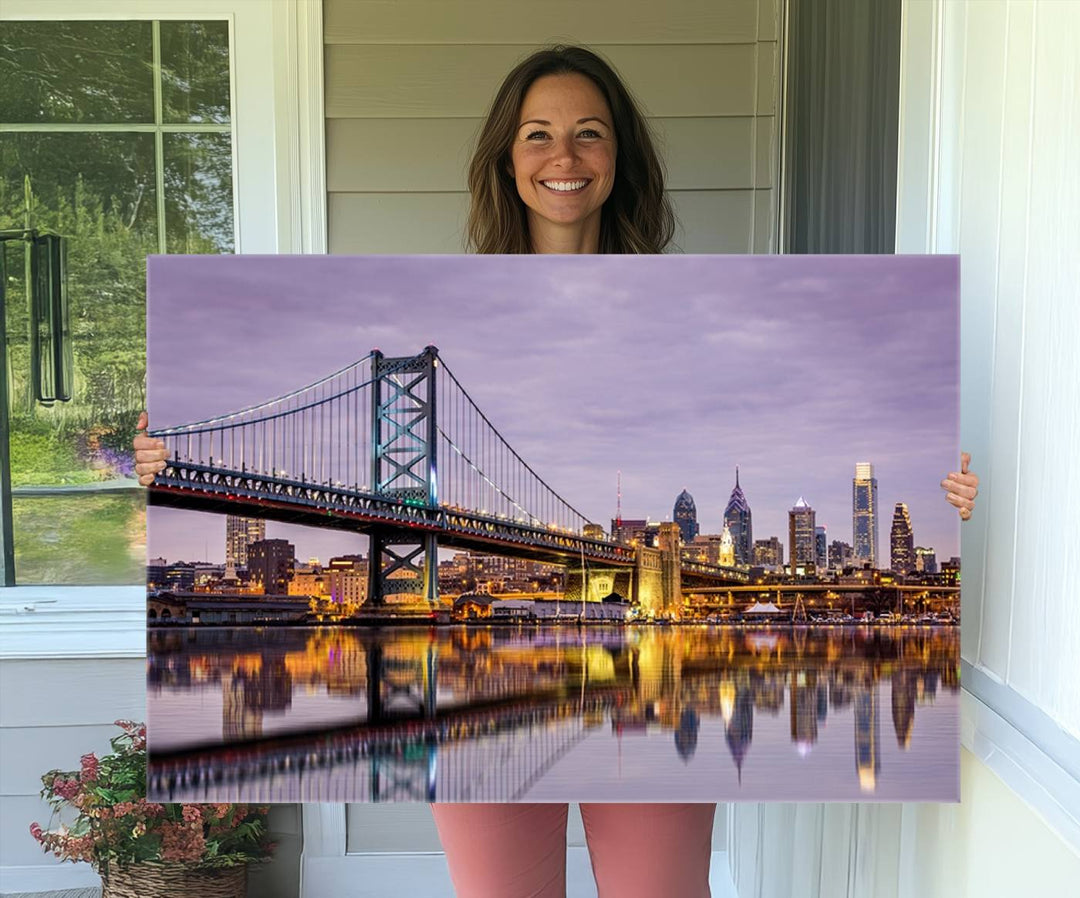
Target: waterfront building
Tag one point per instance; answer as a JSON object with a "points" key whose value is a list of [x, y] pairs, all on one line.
{"points": [[925, 560], [737, 516], [685, 515], [155, 573], [179, 576], [270, 563], [769, 553], [306, 583], [346, 579], [801, 538], [901, 541], [727, 548], [240, 533], [950, 571], [821, 549], [864, 515]]}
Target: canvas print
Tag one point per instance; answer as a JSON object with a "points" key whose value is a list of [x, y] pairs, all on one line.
{"points": [[553, 528]]}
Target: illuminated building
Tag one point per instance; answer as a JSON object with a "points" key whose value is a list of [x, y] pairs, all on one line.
{"points": [[737, 516], [864, 514], [902, 541], [270, 563], [769, 552], [925, 560], [727, 548], [821, 549], [840, 555], [240, 533], [801, 539], [685, 515]]}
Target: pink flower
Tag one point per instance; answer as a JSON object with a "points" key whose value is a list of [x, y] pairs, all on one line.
{"points": [[89, 767], [65, 788], [36, 831]]}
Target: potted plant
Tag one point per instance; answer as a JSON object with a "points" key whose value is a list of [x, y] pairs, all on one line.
{"points": [[143, 848]]}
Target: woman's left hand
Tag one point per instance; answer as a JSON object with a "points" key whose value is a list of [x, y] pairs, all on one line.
{"points": [[961, 487]]}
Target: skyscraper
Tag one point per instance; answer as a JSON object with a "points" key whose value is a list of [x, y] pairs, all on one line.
{"points": [[864, 508], [902, 541], [240, 533], [801, 537], [737, 517], [685, 515], [821, 549]]}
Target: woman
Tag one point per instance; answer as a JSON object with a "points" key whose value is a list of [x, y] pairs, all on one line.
{"points": [[565, 164]]}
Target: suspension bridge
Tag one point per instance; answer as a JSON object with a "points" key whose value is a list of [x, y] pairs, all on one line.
{"points": [[396, 448]]}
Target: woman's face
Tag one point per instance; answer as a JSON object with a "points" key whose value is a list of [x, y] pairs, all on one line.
{"points": [[563, 154]]}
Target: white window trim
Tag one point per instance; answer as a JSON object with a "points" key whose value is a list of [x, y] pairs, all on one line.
{"points": [[280, 207]]}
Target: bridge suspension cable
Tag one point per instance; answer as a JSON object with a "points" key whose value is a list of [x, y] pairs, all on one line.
{"points": [[486, 473], [322, 434]]}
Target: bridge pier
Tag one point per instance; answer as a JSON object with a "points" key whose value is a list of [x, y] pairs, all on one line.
{"points": [[402, 569], [597, 583]]}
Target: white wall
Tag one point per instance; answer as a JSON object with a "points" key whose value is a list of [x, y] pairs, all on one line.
{"points": [[989, 143]]}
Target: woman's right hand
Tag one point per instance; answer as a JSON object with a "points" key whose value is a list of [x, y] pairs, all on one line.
{"points": [[150, 453]]}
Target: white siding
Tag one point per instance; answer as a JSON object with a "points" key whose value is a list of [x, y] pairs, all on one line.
{"points": [[407, 84]]}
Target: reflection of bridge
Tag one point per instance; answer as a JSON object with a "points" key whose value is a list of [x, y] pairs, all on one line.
{"points": [[397, 449]]}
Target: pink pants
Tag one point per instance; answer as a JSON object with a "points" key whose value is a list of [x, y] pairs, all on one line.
{"points": [[519, 850]]}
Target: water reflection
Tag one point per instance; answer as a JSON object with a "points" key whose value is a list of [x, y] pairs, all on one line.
{"points": [[552, 713]]}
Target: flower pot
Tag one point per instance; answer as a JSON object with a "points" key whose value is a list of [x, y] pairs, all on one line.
{"points": [[169, 880]]}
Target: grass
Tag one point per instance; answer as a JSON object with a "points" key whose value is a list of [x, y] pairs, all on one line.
{"points": [[80, 539]]}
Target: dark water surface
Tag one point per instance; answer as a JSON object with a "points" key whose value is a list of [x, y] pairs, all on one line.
{"points": [[554, 713]]}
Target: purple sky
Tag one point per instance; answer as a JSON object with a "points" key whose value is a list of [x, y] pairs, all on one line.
{"points": [[671, 368]]}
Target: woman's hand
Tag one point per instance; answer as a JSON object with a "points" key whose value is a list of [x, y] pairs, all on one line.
{"points": [[150, 453], [961, 487]]}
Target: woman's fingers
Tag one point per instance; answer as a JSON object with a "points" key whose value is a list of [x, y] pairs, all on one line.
{"points": [[150, 452], [965, 485], [961, 487]]}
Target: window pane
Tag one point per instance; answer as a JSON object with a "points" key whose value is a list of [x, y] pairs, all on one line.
{"points": [[83, 539], [76, 72], [195, 71], [98, 191], [198, 193]]}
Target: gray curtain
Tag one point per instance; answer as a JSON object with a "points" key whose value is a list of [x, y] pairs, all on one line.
{"points": [[840, 126]]}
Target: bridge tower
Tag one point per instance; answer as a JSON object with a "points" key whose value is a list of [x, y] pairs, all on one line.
{"points": [[404, 468], [671, 567]]}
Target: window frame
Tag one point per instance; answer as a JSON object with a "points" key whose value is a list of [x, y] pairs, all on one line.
{"points": [[277, 121]]}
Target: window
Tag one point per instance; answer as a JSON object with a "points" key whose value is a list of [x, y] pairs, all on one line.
{"points": [[118, 136]]}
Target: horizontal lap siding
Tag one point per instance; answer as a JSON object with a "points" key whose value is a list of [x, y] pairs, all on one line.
{"points": [[53, 712], [407, 85]]}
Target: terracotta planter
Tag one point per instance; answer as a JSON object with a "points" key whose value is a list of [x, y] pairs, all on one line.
{"points": [[174, 881]]}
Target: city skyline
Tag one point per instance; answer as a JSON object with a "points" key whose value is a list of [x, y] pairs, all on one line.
{"points": [[592, 379]]}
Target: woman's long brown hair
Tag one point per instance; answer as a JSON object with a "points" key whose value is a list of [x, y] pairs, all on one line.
{"points": [[637, 216]]}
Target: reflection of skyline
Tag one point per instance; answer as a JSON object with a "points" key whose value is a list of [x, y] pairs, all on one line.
{"points": [[455, 689]]}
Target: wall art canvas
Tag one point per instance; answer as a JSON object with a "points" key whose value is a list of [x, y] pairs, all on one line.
{"points": [[558, 528]]}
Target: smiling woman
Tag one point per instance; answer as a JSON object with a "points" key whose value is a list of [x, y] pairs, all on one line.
{"points": [[562, 117]]}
